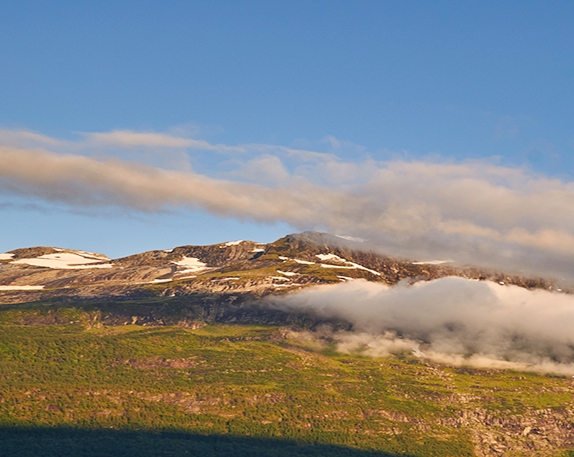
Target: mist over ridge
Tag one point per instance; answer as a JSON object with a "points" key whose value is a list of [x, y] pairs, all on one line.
{"points": [[452, 320]]}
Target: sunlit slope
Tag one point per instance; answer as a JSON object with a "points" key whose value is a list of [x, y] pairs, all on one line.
{"points": [[267, 382]]}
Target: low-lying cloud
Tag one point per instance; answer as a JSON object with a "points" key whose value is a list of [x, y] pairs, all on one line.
{"points": [[476, 212], [451, 320]]}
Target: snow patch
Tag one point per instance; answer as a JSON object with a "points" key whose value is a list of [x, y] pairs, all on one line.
{"points": [[287, 273], [349, 265], [191, 264], [303, 262], [331, 257], [66, 261], [156, 281], [233, 243], [92, 255], [6, 256], [21, 287], [345, 278], [258, 250], [353, 266]]}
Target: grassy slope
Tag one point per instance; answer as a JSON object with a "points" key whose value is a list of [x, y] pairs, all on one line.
{"points": [[247, 381]]}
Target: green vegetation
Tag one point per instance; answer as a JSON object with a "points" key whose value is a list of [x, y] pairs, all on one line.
{"points": [[238, 390]]}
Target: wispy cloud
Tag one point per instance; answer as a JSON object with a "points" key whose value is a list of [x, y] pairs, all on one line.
{"points": [[130, 139], [29, 139], [472, 212], [116, 139]]}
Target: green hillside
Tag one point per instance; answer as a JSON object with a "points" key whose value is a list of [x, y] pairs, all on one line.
{"points": [[243, 390]]}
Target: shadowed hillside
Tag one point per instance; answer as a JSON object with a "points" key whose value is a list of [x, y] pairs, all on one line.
{"points": [[56, 442], [73, 442]]}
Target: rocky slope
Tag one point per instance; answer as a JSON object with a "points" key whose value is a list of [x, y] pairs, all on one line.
{"points": [[240, 267]]}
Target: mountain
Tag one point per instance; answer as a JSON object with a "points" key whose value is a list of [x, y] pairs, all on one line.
{"points": [[221, 282], [290, 263]]}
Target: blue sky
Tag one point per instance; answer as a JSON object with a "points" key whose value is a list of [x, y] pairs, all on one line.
{"points": [[370, 85]]}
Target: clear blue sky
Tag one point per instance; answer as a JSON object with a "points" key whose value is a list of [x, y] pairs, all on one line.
{"points": [[440, 81]]}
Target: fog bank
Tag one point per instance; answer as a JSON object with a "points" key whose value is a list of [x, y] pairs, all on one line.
{"points": [[450, 320]]}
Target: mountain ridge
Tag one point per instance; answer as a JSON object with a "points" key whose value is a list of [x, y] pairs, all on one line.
{"points": [[245, 267]]}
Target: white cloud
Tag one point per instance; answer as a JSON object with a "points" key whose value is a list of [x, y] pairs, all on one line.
{"points": [[29, 139], [130, 139], [472, 212], [267, 170], [448, 320]]}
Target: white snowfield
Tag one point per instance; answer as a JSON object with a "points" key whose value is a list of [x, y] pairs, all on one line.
{"points": [[257, 250], [349, 265], [354, 266], [287, 273], [303, 262], [6, 256], [92, 255], [21, 287], [233, 243], [155, 281], [191, 265], [66, 261], [332, 257]]}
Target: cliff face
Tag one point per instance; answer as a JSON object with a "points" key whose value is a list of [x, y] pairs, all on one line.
{"points": [[241, 267]]}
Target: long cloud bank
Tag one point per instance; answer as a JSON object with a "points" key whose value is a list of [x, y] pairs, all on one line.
{"points": [[475, 213], [452, 320]]}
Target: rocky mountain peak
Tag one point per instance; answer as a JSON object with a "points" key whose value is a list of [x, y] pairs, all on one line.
{"points": [[241, 267]]}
